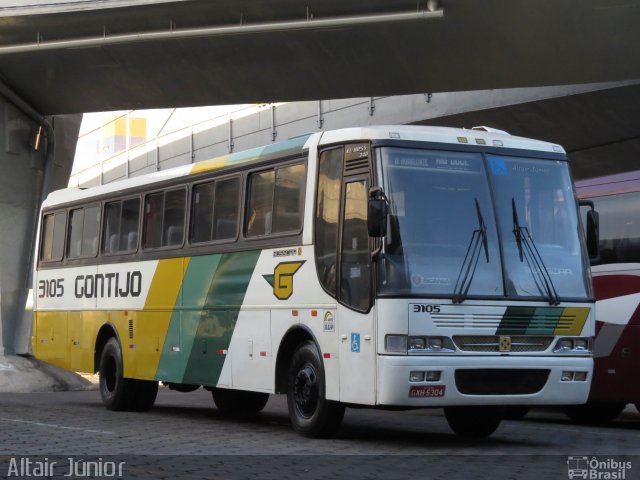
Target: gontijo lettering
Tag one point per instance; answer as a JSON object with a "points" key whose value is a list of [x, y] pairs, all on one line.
{"points": [[108, 285]]}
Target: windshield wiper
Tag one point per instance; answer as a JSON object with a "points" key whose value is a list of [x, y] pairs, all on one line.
{"points": [[528, 252], [470, 262]]}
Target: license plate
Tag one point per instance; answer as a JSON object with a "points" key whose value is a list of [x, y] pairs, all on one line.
{"points": [[426, 391]]}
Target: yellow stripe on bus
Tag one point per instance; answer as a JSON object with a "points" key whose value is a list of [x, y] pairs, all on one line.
{"points": [[209, 165], [572, 321], [152, 323]]}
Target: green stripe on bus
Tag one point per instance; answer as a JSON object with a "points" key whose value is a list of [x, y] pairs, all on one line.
{"points": [[180, 333], [529, 321], [545, 321], [213, 290]]}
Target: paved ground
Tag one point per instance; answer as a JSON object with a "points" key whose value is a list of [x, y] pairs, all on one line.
{"points": [[184, 436]]}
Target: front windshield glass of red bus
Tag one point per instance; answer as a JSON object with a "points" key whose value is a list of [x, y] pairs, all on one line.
{"points": [[442, 230], [538, 196]]}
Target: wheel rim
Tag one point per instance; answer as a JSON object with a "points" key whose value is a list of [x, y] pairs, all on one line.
{"points": [[109, 373], [305, 390]]}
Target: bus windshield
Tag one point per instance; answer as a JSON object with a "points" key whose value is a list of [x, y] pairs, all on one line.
{"points": [[444, 238]]}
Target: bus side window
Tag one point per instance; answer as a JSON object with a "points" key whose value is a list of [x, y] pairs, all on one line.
{"points": [[214, 210], [54, 225], [153, 207], [164, 219], [288, 198], [111, 229], [327, 214], [275, 201], [226, 210], [355, 271], [129, 225], [173, 222], [619, 227], [120, 230], [76, 221], [84, 226], [260, 204], [202, 212]]}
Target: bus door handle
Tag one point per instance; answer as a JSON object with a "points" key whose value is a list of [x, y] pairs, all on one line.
{"points": [[343, 337]]}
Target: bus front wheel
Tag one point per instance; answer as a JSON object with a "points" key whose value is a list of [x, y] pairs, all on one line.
{"points": [[473, 422], [594, 413], [117, 392], [312, 415]]}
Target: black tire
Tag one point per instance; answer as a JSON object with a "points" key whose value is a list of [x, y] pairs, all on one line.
{"points": [[117, 392], [144, 394], [594, 413], [473, 422], [238, 401], [311, 414], [515, 412], [114, 388]]}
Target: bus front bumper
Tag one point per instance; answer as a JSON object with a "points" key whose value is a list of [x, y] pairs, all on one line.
{"points": [[483, 380]]}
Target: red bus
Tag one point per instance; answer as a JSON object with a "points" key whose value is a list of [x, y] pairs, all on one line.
{"points": [[616, 282]]}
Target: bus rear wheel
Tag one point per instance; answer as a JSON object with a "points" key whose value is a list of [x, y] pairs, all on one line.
{"points": [[312, 415], [117, 392], [144, 393], [238, 401], [594, 413], [473, 422]]}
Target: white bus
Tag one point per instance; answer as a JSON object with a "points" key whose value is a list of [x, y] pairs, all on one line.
{"points": [[399, 267]]}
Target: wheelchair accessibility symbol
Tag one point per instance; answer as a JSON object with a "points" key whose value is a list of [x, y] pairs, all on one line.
{"points": [[355, 342]]}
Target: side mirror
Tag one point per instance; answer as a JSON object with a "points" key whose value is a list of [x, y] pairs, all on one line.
{"points": [[377, 217], [593, 230]]}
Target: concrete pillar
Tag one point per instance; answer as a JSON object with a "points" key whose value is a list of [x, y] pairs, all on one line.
{"points": [[26, 176]]}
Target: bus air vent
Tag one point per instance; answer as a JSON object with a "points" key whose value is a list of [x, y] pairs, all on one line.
{"points": [[501, 381]]}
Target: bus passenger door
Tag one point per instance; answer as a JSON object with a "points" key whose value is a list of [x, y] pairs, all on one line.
{"points": [[355, 316]]}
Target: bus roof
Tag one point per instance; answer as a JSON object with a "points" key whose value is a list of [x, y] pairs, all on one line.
{"points": [[609, 185], [298, 144]]}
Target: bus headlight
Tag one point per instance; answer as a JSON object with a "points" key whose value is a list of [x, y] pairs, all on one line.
{"points": [[419, 345], [435, 343], [573, 345], [395, 343]]}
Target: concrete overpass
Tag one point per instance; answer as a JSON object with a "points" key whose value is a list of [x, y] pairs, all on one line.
{"points": [[64, 57], [95, 55]]}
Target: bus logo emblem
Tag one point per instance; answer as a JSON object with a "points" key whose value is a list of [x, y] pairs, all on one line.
{"points": [[282, 279], [505, 344]]}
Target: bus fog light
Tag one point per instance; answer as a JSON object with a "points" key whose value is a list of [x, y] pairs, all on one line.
{"points": [[580, 344], [416, 377], [566, 377], [580, 377], [416, 343], [565, 344], [395, 343], [574, 346], [433, 376], [435, 343]]}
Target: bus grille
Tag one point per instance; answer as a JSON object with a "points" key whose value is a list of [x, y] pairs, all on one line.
{"points": [[498, 381], [491, 343], [517, 320]]}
